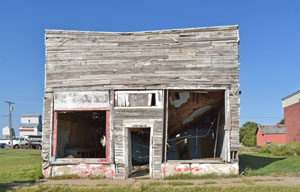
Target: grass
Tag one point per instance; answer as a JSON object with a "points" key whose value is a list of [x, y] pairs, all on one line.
{"points": [[158, 188], [208, 183], [75, 176], [247, 149], [142, 178], [102, 185], [268, 164], [95, 177], [247, 181], [156, 183], [172, 183], [180, 183], [288, 149], [264, 180], [20, 165], [4, 188], [25, 165], [67, 176], [206, 176]]}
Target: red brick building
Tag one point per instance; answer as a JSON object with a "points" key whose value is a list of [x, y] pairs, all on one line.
{"points": [[291, 109], [266, 134]]}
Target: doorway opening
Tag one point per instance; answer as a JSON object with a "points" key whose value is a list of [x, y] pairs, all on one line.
{"points": [[196, 121], [139, 152]]}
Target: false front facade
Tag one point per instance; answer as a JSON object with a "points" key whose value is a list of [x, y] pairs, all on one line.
{"points": [[154, 102]]}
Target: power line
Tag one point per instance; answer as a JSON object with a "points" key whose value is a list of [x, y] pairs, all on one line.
{"points": [[30, 103], [13, 116]]}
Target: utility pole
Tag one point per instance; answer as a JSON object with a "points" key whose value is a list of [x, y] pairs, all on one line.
{"points": [[10, 108]]}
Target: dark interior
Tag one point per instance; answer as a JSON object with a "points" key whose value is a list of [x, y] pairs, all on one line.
{"points": [[140, 141], [140, 146], [81, 134], [195, 124]]}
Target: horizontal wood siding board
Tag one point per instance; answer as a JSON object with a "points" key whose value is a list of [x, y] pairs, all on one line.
{"points": [[76, 58], [180, 31]]}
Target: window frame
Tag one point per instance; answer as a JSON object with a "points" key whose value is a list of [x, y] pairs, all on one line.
{"points": [[227, 127], [157, 93], [81, 160]]}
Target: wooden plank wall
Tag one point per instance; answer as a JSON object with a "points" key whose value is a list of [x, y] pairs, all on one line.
{"points": [[157, 60], [145, 60], [134, 118], [235, 117], [47, 126]]}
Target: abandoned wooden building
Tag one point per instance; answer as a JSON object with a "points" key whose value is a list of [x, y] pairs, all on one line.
{"points": [[165, 101]]}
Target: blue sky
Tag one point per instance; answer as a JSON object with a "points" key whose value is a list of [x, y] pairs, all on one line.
{"points": [[269, 47]]}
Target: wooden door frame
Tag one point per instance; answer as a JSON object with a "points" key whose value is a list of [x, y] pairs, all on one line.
{"points": [[129, 152]]}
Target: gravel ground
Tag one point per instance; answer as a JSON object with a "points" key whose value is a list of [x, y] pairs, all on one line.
{"points": [[259, 180]]}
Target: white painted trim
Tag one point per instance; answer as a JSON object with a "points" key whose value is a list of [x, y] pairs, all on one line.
{"points": [[81, 99], [128, 108], [51, 128], [227, 126], [166, 97], [198, 88]]}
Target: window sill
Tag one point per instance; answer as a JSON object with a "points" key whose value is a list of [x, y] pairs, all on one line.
{"points": [[204, 160]]}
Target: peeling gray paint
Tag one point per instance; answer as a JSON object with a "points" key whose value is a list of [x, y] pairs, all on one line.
{"points": [[84, 99]]}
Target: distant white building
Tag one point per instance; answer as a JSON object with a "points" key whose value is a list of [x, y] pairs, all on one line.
{"points": [[31, 124], [6, 132]]}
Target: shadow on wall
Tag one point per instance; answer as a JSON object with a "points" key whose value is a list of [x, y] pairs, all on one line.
{"points": [[255, 162]]}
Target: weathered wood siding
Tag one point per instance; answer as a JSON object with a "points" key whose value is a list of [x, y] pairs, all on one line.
{"points": [[81, 100], [124, 119], [151, 60], [235, 118], [47, 128], [195, 58], [139, 116]]}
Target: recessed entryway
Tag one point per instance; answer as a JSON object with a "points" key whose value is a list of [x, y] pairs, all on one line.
{"points": [[139, 152]]}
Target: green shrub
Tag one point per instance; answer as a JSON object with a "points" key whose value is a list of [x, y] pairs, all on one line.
{"points": [[288, 149], [249, 139], [246, 128]]}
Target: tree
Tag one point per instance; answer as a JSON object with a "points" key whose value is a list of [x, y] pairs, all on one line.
{"points": [[249, 138], [281, 122], [247, 133], [250, 125], [243, 132]]}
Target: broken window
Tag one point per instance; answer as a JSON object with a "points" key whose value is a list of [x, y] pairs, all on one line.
{"points": [[138, 99], [196, 122], [81, 134], [153, 99]]}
